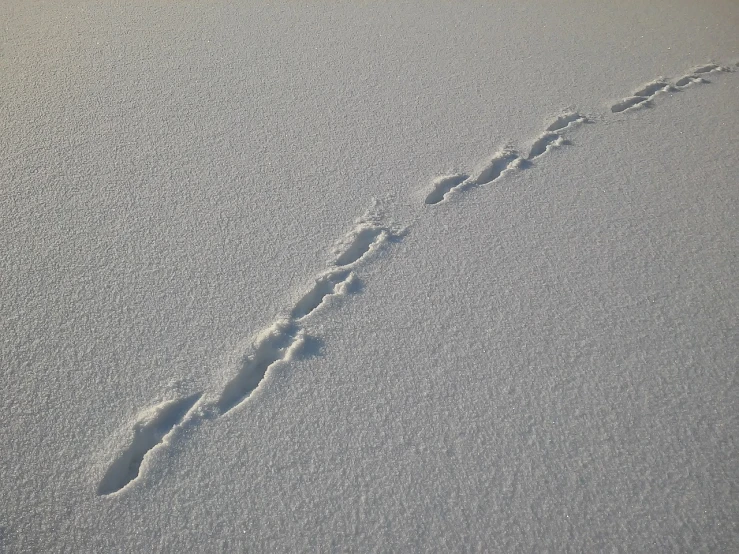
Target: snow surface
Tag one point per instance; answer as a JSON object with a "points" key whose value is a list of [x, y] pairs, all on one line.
{"points": [[442, 276]]}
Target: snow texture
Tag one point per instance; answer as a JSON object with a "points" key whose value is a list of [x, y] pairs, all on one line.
{"points": [[352, 277]]}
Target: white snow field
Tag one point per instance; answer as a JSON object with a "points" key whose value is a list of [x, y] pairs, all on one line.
{"points": [[369, 276]]}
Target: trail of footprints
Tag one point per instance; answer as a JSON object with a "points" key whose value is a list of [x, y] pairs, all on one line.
{"points": [[505, 160], [647, 93], [149, 431], [283, 340]]}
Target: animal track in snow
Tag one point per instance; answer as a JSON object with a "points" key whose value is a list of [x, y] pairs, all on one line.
{"points": [[330, 283], [545, 142], [286, 337], [565, 121], [442, 185], [708, 68], [152, 429], [281, 341], [502, 161], [278, 342], [505, 160], [446, 185], [644, 96], [361, 241]]}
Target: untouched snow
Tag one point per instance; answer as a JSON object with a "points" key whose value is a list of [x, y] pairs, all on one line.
{"points": [[426, 277]]}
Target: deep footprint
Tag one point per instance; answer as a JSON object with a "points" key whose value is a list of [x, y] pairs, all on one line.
{"points": [[708, 68], [272, 345], [564, 121], [653, 88], [544, 143], [627, 103], [148, 432], [361, 243], [500, 162], [689, 80], [325, 285], [443, 185]]}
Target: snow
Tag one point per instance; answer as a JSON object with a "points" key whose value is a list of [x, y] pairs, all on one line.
{"points": [[359, 276]]}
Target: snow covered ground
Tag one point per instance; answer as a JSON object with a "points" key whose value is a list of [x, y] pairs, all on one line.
{"points": [[442, 276]]}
